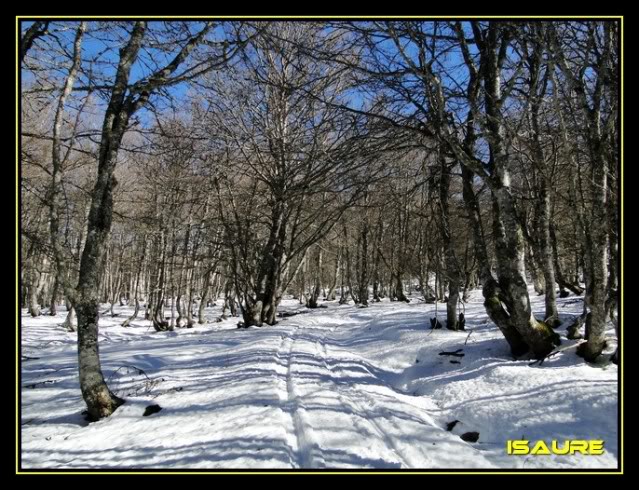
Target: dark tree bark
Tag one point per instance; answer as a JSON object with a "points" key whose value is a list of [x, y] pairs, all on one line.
{"points": [[548, 268], [101, 402], [157, 310], [493, 42], [559, 276], [35, 31], [136, 288], [593, 110], [330, 295], [490, 289], [317, 286], [53, 310], [203, 299], [362, 293], [453, 273], [34, 306], [538, 90], [69, 321], [124, 101], [181, 280], [377, 293]]}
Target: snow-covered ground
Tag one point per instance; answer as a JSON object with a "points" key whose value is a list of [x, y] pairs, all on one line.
{"points": [[335, 387]]}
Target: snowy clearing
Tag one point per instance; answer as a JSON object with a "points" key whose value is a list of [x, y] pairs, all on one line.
{"points": [[334, 387]]}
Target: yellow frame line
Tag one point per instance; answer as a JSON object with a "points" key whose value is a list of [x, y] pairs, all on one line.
{"points": [[621, 398], [335, 472], [257, 472], [320, 17]]}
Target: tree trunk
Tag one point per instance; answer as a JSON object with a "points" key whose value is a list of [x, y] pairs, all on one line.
{"points": [[69, 323], [343, 297], [453, 272], [136, 287], [537, 277], [550, 299], [317, 286], [260, 304], [538, 89], [598, 258], [205, 291], [54, 296], [157, 311], [490, 288], [399, 289], [559, 276], [362, 294], [509, 248], [330, 295], [34, 307], [591, 104], [99, 399], [509, 240]]}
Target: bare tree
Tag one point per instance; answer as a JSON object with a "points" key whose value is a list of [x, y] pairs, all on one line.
{"points": [[286, 158]]}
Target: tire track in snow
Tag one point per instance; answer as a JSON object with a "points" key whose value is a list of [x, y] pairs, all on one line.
{"points": [[368, 416], [375, 419], [309, 452], [360, 398]]}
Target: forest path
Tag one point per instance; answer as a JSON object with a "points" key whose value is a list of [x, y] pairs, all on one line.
{"points": [[340, 406]]}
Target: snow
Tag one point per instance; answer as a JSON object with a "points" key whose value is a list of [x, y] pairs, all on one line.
{"points": [[334, 387]]}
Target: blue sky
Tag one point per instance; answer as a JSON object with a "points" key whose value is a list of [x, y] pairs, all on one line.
{"points": [[100, 48]]}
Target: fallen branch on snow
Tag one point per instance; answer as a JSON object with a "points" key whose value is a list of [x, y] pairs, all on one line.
{"points": [[457, 353], [33, 385], [555, 352], [468, 337]]}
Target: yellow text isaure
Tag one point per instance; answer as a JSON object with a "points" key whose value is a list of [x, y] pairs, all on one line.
{"points": [[540, 448]]}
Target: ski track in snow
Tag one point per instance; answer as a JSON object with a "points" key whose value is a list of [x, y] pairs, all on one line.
{"points": [[368, 417], [337, 387], [310, 452]]}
